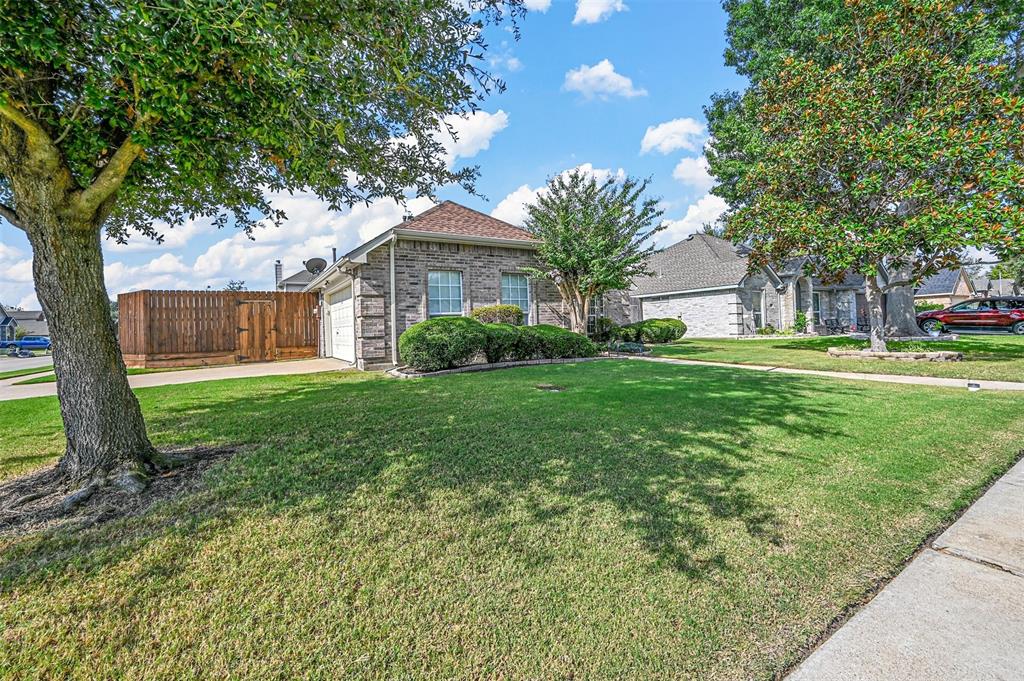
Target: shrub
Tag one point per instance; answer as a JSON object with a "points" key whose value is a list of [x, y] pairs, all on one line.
{"points": [[442, 343], [767, 330], [604, 329], [501, 341], [800, 321], [626, 347], [653, 331], [499, 314], [554, 342], [928, 307]]}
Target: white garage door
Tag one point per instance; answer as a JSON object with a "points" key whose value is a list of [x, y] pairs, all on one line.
{"points": [[343, 344]]}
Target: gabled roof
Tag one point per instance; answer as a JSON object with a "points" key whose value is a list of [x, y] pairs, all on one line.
{"points": [[27, 315], [300, 278], [449, 217], [698, 262], [851, 280], [940, 283]]}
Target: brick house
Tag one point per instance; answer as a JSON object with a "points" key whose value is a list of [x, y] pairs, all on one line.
{"points": [[446, 261]]}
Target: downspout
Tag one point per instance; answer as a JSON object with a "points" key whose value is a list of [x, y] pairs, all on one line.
{"points": [[394, 311]]}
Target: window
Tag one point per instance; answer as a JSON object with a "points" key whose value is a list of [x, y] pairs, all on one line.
{"points": [[970, 306], [817, 307], [444, 293], [758, 310], [515, 290], [596, 310]]}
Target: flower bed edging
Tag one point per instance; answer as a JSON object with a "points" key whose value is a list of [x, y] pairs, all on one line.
{"points": [[399, 373], [937, 356]]}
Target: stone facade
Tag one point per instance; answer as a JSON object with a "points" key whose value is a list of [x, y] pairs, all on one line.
{"points": [[481, 268]]}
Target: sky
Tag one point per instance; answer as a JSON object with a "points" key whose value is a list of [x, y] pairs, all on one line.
{"points": [[616, 87]]}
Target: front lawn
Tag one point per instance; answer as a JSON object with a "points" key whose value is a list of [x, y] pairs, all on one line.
{"points": [[15, 373], [132, 371], [646, 520], [999, 358]]}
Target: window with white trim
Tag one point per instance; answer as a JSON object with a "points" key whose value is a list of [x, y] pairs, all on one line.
{"points": [[515, 290], [444, 293]]}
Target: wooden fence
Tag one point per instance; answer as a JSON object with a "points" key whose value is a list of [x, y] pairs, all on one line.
{"points": [[197, 328]]}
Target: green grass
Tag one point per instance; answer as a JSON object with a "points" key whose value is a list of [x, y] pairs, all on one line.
{"points": [[14, 373], [986, 357], [649, 520], [52, 378]]}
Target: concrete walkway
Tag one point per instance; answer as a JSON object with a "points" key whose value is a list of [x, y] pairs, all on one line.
{"points": [[850, 375], [8, 391], [955, 612]]}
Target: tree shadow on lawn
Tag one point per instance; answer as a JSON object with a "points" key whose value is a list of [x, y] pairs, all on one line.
{"points": [[666, 448]]}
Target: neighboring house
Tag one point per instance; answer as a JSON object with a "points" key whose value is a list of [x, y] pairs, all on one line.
{"points": [[32, 323], [446, 261], [986, 288], [945, 287], [295, 282]]}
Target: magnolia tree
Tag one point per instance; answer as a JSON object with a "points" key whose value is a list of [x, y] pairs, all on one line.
{"points": [[594, 237], [761, 34], [115, 115], [901, 154]]}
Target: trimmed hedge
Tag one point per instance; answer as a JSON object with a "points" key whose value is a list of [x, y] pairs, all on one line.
{"points": [[499, 314], [442, 343], [447, 342], [554, 342], [653, 331], [605, 329]]}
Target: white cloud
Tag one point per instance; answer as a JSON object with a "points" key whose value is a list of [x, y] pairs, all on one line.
{"points": [[174, 237], [680, 133], [503, 58], [693, 172], [593, 11], [600, 80], [537, 5], [473, 133], [167, 271], [512, 208], [708, 209], [16, 287]]}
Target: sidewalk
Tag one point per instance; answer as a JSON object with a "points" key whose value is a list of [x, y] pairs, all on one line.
{"points": [[955, 612], [848, 375], [8, 391]]}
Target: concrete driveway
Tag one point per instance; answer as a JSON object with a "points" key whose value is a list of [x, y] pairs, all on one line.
{"points": [[955, 612], [8, 391]]}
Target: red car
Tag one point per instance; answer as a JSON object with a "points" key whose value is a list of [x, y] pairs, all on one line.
{"points": [[985, 314]]}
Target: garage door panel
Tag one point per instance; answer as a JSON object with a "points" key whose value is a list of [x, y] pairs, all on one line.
{"points": [[342, 325]]}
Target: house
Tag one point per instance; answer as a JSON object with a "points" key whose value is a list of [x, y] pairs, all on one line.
{"points": [[32, 323], [986, 288], [945, 287], [446, 261], [295, 282]]}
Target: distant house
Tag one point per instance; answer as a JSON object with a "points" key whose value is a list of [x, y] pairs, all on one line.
{"points": [[946, 287], [32, 323], [295, 282], [986, 288]]}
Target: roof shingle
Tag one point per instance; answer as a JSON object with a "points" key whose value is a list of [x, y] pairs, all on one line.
{"points": [[449, 217], [700, 261]]}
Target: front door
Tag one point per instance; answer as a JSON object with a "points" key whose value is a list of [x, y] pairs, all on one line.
{"points": [[863, 314], [256, 338], [342, 331]]}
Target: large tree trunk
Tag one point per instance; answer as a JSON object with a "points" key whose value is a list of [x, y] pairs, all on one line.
{"points": [[874, 295], [900, 315], [102, 420]]}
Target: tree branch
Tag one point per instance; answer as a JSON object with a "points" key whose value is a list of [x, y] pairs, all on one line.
{"points": [[11, 215], [110, 178], [41, 147]]}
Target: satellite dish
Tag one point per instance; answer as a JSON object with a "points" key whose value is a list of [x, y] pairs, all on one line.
{"points": [[315, 265]]}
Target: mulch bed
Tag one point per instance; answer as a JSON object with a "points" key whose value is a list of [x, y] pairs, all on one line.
{"points": [[47, 512]]}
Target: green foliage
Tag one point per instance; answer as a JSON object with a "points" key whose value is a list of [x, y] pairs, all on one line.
{"points": [[501, 341], [442, 343], [499, 314], [594, 236], [222, 101], [235, 285], [927, 307], [605, 329], [800, 321], [554, 342], [627, 347], [20, 332], [902, 148], [767, 330], [653, 331]]}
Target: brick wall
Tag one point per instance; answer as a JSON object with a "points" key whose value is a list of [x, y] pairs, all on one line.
{"points": [[705, 314], [481, 268]]}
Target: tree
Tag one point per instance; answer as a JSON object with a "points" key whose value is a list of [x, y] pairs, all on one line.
{"points": [[761, 34], [114, 115], [594, 237], [903, 153], [1010, 266], [235, 285]]}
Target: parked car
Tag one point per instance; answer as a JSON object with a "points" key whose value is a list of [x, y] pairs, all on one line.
{"points": [[29, 343], [986, 314]]}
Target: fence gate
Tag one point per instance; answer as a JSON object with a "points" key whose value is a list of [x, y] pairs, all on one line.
{"points": [[256, 338]]}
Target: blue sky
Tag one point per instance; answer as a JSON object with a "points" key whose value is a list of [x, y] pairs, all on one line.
{"points": [[615, 86]]}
